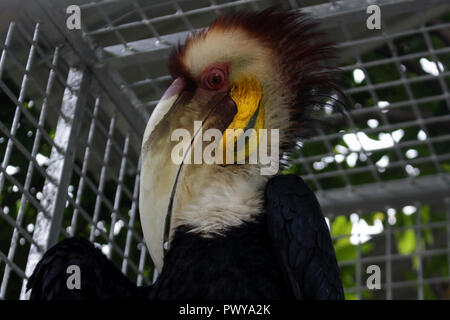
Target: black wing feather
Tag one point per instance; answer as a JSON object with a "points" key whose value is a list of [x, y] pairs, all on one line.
{"points": [[301, 239], [100, 279]]}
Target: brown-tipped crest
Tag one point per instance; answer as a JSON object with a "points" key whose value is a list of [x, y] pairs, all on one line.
{"points": [[299, 57]]}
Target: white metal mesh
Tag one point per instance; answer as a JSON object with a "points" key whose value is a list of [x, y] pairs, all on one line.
{"points": [[95, 195]]}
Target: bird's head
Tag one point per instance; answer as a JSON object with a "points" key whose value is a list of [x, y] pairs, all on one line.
{"points": [[246, 71]]}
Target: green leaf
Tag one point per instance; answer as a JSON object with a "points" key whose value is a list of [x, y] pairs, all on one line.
{"points": [[350, 296], [345, 250], [446, 167], [341, 226]]}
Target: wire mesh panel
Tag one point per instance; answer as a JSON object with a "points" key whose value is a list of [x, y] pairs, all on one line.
{"points": [[74, 105]]}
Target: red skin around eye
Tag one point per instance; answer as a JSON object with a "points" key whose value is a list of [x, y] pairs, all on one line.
{"points": [[221, 69]]}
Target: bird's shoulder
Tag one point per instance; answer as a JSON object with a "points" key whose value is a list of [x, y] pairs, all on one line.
{"points": [[301, 238], [99, 278]]}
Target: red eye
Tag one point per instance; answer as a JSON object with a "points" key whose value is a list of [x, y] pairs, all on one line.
{"points": [[215, 79]]}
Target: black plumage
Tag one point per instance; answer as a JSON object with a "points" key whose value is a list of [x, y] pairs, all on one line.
{"points": [[238, 265], [285, 253], [301, 239]]}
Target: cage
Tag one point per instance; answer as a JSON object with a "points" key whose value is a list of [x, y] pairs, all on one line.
{"points": [[74, 104]]}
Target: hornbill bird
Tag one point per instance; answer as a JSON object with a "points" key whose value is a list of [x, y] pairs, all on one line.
{"points": [[223, 229]]}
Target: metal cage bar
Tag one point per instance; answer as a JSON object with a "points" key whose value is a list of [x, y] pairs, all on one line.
{"points": [[47, 228]]}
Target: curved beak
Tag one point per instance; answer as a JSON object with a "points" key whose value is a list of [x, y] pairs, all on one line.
{"points": [[178, 109]]}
